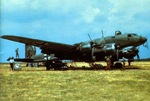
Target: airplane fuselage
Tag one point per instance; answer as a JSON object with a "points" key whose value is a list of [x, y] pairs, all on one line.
{"points": [[103, 46]]}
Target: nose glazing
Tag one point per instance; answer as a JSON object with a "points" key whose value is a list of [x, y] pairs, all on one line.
{"points": [[143, 39]]}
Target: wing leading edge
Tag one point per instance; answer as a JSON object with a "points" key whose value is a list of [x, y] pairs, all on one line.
{"points": [[52, 46]]}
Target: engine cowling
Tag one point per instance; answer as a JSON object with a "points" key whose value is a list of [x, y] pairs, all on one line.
{"points": [[109, 48], [130, 52]]}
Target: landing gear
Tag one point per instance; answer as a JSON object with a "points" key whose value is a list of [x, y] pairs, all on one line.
{"points": [[56, 65], [48, 65], [95, 66], [118, 65], [129, 61]]}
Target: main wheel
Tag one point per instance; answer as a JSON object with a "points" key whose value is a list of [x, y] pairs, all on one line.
{"points": [[118, 65], [48, 66], [57, 67], [98, 66]]}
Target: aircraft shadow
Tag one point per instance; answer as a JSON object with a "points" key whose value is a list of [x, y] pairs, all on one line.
{"points": [[83, 68]]}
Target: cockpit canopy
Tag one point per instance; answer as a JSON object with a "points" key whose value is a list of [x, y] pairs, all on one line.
{"points": [[118, 32]]}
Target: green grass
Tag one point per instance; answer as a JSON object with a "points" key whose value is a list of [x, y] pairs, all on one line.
{"points": [[36, 84]]}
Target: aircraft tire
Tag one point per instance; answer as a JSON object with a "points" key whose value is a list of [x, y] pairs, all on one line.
{"points": [[57, 68], [98, 66], [47, 66], [118, 65]]}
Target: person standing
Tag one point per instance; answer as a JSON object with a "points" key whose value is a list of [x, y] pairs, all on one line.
{"points": [[17, 53], [108, 62], [11, 61], [123, 61]]}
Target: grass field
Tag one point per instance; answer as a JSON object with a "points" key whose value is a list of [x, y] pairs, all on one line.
{"points": [[37, 84]]}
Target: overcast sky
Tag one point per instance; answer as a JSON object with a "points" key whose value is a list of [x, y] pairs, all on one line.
{"points": [[69, 21]]}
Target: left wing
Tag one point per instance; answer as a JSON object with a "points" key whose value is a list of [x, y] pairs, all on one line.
{"points": [[52, 46]]}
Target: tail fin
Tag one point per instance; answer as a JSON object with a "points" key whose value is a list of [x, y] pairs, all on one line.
{"points": [[29, 51]]}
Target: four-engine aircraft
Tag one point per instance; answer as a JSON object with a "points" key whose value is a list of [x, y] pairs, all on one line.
{"points": [[117, 46]]}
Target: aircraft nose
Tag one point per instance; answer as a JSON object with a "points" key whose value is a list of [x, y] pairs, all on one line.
{"points": [[143, 39]]}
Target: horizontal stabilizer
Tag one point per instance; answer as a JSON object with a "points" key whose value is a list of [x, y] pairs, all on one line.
{"points": [[24, 60]]}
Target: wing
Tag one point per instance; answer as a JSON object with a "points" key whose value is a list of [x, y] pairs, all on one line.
{"points": [[44, 45], [29, 60], [24, 60]]}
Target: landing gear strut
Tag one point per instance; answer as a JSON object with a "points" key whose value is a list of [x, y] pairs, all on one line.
{"points": [[48, 65]]}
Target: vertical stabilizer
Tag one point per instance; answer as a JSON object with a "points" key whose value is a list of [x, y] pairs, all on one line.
{"points": [[30, 51]]}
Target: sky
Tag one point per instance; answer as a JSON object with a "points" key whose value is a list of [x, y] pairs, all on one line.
{"points": [[70, 21]]}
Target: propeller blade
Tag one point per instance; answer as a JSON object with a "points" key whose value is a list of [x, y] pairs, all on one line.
{"points": [[138, 57], [117, 54], [136, 50], [92, 47], [146, 45], [117, 50], [80, 46], [90, 37], [92, 54]]}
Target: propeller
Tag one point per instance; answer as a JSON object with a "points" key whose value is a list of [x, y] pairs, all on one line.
{"points": [[95, 45], [136, 51], [146, 45], [92, 45], [117, 54], [138, 57], [90, 37], [117, 50], [79, 46]]}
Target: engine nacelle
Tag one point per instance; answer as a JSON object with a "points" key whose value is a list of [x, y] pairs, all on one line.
{"points": [[130, 52], [109, 48]]}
